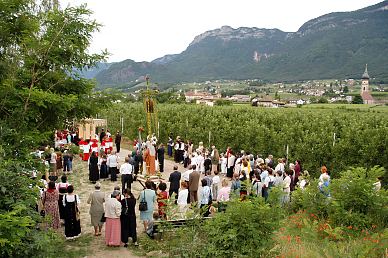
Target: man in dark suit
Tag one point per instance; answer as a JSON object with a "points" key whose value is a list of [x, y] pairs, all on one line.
{"points": [[118, 142], [193, 185], [174, 179]]}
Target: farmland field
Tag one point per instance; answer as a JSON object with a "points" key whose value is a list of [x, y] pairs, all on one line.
{"points": [[336, 137]]}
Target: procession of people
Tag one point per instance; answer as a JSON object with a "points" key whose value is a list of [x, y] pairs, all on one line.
{"points": [[209, 179]]}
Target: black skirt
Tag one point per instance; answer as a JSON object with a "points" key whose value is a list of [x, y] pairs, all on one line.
{"points": [[103, 170], [72, 225]]}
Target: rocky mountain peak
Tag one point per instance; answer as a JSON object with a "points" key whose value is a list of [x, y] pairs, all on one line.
{"points": [[227, 33]]}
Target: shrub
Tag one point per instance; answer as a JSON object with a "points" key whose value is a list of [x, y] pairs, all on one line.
{"points": [[243, 230], [353, 201]]}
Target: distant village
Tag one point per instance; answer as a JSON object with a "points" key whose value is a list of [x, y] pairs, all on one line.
{"points": [[300, 94], [278, 95]]}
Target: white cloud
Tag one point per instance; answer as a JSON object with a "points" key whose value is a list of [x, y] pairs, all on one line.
{"points": [[148, 29]]}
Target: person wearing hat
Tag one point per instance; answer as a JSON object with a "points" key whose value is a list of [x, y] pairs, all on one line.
{"points": [[96, 200], [113, 225]]}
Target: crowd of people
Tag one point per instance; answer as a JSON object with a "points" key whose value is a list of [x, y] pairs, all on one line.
{"points": [[209, 180]]}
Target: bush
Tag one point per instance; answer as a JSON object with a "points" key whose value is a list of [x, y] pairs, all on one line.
{"points": [[20, 235], [353, 201], [244, 230], [223, 102]]}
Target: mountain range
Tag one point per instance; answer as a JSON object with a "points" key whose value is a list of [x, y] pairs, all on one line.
{"points": [[332, 46]]}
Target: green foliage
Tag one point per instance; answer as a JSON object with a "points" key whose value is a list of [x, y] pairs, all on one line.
{"points": [[352, 202], [223, 102], [40, 90], [244, 230], [323, 100], [357, 100], [19, 222], [360, 136], [355, 203], [303, 235], [40, 86]]}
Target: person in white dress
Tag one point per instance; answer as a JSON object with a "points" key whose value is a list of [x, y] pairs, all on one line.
{"points": [[223, 164], [286, 188], [182, 198]]}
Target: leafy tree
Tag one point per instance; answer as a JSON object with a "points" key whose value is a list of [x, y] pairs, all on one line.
{"points": [[41, 48], [323, 100], [223, 102], [357, 100], [346, 89], [277, 96], [39, 86]]}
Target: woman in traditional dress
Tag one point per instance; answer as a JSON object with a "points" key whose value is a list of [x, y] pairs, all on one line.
{"points": [[103, 167], [113, 225], [50, 204], [72, 221], [148, 195], [62, 189], [96, 201], [128, 218], [94, 174]]}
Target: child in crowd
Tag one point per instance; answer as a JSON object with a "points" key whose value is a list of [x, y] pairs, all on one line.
{"points": [[162, 198], [208, 178]]}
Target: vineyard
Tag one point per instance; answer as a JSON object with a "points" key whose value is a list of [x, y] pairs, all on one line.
{"points": [[338, 138]]}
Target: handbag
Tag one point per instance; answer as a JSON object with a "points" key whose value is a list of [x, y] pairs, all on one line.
{"points": [[143, 204], [103, 218]]}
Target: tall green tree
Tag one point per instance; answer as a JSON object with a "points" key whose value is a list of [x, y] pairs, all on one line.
{"points": [[41, 49]]}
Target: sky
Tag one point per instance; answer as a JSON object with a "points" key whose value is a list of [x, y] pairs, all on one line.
{"points": [[143, 30]]}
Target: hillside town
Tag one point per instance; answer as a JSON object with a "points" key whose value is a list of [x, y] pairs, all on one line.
{"points": [[358, 91]]}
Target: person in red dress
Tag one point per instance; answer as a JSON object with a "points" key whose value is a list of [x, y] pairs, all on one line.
{"points": [[162, 199]]}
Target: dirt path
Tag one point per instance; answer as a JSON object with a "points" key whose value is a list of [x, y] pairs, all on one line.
{"points": [[80, 179]]}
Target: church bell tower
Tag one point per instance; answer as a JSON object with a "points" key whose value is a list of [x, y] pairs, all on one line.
{"points": [[365, 81]]}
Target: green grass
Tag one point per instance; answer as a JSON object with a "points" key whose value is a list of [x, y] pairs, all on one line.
{"points": [[79, 247]]}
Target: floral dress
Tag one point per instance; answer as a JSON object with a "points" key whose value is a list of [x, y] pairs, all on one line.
{"points": [[50, 202]]}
